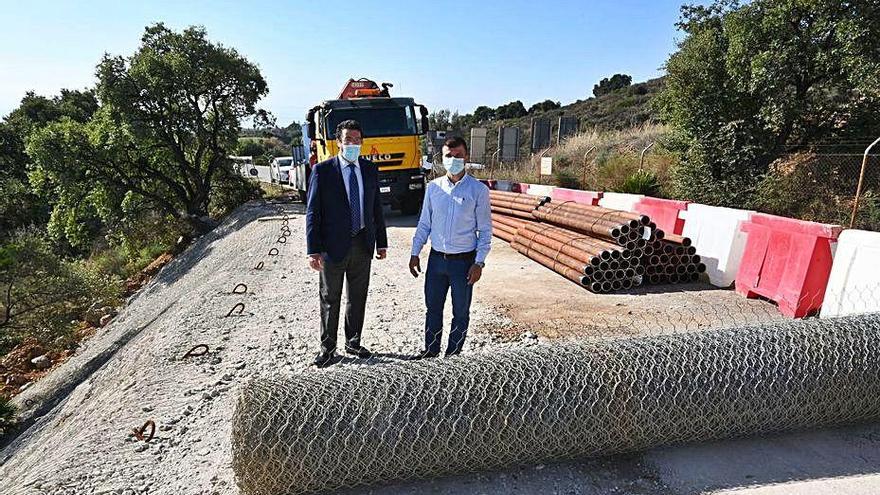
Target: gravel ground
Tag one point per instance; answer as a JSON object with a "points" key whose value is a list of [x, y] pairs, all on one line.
{"points": [[86, 445], [134, 371]]}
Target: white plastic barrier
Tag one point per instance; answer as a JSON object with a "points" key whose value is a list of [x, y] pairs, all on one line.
{"points": [[719, 241], [620, 201], [541, 189], [854, 284]]}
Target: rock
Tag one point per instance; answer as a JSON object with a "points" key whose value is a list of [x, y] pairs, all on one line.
{"points": [[41, 362], [105, 320], [528, 336], [15, 380], [141, 447]]}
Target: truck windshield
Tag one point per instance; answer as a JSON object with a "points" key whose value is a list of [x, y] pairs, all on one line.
{"points": [[377, 122]]}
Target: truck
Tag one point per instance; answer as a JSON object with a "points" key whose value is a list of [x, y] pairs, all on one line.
{"points": [[393, 128]]}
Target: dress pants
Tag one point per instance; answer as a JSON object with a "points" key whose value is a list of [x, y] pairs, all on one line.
{"points": [[355, 270]]}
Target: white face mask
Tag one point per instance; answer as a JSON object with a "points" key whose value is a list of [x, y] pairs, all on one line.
{"points": [[453, 165]]}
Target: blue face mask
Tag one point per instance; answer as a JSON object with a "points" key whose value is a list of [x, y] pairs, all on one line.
{"points": [[453, 165], [351, 152]]}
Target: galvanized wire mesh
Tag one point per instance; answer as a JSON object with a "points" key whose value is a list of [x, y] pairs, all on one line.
{"points": [[346, 427]]}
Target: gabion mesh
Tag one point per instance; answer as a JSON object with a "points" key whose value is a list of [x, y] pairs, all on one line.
{"points": [[339, 428]]}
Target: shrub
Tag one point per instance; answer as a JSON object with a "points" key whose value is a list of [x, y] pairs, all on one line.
{"points": [[7, 415], [565, 177], [641, 182], [43, 294], [231, 191]]}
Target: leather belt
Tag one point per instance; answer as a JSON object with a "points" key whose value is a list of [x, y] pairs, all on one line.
{"points": [[454, 256]]}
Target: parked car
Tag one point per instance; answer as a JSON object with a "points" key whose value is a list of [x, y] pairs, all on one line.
{"points": [[279, 169]]}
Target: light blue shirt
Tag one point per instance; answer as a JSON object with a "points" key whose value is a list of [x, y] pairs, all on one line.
{"points": [[456, 217], [345, 178]]}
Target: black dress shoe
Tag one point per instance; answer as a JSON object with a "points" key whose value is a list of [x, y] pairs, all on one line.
{"points": [[323, 359], [426, 355], [359, 351]]}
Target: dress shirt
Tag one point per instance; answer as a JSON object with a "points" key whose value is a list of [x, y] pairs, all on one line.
{"points": [[456, 217]]}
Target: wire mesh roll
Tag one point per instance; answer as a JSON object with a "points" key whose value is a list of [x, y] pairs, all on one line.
{"points": [[375, 424]]}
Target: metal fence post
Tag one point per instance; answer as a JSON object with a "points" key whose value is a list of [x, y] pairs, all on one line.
{"points": [[852, 220], [642, 156]]}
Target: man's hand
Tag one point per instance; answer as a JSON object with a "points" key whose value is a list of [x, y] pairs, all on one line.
{"points": [[316, 261], [415, 266], [474, 274], [381, 253]]}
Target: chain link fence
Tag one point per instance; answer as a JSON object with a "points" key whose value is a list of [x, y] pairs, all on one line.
{"points": [[821, 187]]}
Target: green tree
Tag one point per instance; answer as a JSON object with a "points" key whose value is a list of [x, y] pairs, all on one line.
{"points": [[606, 85], [19, 207], [484, 113], [544, 106], [169, 118], [439, 120], [748, 81], [512, 110]]}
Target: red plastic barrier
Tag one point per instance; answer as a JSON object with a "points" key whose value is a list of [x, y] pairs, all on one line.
{"points": [[576, 195], [664, 212], [787, 261]]}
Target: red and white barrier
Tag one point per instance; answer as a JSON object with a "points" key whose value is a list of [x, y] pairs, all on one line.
{"points": [[620, 201], [583, 197], [540, 189], [787, 261], [666, 213], [716, 234], [854, 284]]}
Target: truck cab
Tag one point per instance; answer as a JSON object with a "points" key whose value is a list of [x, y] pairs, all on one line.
{"points": [[392, 131]]}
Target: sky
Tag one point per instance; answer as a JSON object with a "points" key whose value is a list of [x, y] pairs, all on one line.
{"points": [[451, 54]]}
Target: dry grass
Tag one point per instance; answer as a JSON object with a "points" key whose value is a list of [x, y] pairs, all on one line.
{"points": [[596, 160]]}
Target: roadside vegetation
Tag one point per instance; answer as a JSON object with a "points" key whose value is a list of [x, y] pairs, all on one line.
{"points": [[100, 187], [765, 105]]}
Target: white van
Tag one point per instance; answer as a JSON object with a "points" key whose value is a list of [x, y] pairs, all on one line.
{"points": [[279, 169]]}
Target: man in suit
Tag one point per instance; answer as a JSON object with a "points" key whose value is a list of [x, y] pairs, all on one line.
{"points": [[344, 224]]}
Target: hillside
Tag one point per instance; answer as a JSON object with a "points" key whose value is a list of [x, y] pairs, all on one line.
{"points": [[620, 109]]}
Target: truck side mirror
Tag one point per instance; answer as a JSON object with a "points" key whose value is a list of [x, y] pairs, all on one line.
{"points": [[310, 124], [424, 113]]}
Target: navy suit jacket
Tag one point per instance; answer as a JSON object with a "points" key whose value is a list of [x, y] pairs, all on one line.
{"points": [[328, 214]]}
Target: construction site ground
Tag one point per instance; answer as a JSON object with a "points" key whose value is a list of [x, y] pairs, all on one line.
{"points": [[136, 372]]}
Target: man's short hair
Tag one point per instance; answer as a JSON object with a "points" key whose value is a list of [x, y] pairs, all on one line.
{"points": [[351, 125], [455, 142]]}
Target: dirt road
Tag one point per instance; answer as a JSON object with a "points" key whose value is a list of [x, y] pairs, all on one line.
{"points": [[85, 444]]}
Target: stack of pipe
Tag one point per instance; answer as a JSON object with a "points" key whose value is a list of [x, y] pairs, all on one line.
{"points": [[674, 260], [602, 249], [515, 204], [594, 263]]}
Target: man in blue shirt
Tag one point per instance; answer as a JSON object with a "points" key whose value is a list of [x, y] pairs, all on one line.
{"points": [[457, 218]]}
